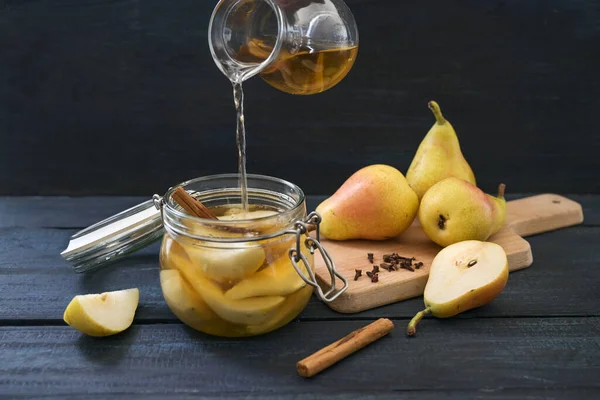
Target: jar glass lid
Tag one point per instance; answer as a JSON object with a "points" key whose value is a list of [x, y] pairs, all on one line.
{"points": [[114, 237]]}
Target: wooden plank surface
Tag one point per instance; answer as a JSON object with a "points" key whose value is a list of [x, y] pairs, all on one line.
{"points": [[36, 283], [539, 339], [135, 79], [487, 356]]}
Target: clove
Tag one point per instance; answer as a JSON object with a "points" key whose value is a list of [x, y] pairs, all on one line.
{"points": [[357, 274], [370, 257]]}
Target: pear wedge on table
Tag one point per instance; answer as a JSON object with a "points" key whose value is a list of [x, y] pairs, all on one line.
{"points": [[102, 314], [463, 276], [438, 156]]}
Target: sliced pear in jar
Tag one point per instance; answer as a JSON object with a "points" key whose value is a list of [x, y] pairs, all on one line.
{"points": [[241, 223], [291, 307], [463, 276], [256, 221], [183, 301], [102, 314], [173, 255], [277, 279], [241, 215], [227, 263], [250, 311]]}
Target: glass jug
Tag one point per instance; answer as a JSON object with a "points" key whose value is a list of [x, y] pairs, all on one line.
{"points": [[297, 46]]}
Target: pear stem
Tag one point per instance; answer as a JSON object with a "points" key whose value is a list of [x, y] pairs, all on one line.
{"points": [[437, 112], [412, 325], [501, 189]]}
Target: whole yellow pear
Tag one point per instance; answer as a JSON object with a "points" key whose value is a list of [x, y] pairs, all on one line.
{"points": [[454, 210], [438, 156], [375, 203]]}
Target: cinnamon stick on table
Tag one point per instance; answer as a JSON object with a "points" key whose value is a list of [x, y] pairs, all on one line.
{"points": [[339, 350]]}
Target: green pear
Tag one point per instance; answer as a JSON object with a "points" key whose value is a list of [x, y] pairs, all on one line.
{"points": [[375, 203], [454, 210], [463, 276], [438, 156]]}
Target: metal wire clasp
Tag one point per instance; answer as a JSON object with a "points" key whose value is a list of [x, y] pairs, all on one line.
{"points": [[301, 228], [159, 202]]}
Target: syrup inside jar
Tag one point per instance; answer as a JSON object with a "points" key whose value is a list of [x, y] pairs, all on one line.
{"points": [[234, 277]]}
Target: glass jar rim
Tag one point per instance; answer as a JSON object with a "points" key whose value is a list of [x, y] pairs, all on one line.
{"points": [[170, 211]]}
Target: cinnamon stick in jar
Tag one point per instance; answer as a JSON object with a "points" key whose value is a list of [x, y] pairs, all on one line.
{"points": [[191, 204], [342, 348]]}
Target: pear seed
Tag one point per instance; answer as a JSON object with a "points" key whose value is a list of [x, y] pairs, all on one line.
{"points": [[471, 263]]}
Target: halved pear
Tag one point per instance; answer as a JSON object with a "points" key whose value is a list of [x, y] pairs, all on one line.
{"points": [[250, 311], [183, 301], [463, 276], [277, 279], [102, 314]]}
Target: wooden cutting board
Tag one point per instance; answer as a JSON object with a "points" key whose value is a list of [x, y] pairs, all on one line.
{"points": [[524, 217]]}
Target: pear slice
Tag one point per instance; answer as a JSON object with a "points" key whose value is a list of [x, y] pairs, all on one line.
{"points": [[227, 264], [291, 307], [260, 226], [183, 301], [233, 215], [102, 314], [250, 311], [173, 254], [241, 215], [463, 276], [277, 279]]}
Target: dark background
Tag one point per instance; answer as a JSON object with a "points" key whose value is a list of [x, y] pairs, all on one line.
{"points": [[101, 97]]}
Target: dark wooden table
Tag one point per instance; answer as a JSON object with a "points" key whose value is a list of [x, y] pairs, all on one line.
{"points": [[539, 339]]}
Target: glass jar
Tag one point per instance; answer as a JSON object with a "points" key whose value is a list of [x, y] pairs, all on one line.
{"points": [[245, 274], [234, 277]]}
